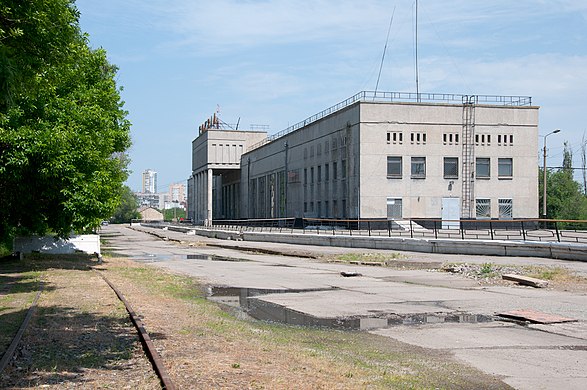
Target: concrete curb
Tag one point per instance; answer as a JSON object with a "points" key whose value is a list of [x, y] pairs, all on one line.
{"points": [[554, 250]]}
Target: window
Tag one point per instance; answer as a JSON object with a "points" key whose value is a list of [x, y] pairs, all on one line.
{"points": [[311, 151], [395, 137], [394, 208], [482, 168], [326, 210], [505, 208], [483, 208], [343, 168], [319, 177], [326, 147], [305, 176], [319, 150], [334, 171], [312, 175], [394, 166], [418, 167], [305, 207], [305, 153], [450, 138], [319, 209], [326, 172], [451, 167], [505, 167], [418, 137]]}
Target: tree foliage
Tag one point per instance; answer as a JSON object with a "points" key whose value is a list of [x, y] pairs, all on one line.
{"points": [[63, 131], [127, 208], [564, 195]]}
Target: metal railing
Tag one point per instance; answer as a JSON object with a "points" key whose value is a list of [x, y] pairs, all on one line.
{"points": [[390, 97], [545, 230]]}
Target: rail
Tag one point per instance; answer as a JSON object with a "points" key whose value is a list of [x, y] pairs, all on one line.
{"points": [[390, 97], [544, 230]]}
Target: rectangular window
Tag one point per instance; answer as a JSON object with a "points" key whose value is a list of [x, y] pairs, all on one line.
{"points": [[418, 167], [389, 138], [483, 208], [312, 175], [505, 208], [394, 166], [326, 147], [505, 167], [326, 210], [319, 177], [394, 208], [451, 167], [334, 171], [319, 209], [326, 172], [305, 176], [343, 169], [305, 207], [482, 169]]}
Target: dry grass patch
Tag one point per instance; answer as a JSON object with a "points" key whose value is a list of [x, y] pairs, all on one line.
{"points": [[80, 335]]}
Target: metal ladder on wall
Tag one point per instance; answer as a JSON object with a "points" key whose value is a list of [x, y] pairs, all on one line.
{"points": [[468, 158]]}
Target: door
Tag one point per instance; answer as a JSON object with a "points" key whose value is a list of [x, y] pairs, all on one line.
{"points": [[451, 213], [394, 208]]}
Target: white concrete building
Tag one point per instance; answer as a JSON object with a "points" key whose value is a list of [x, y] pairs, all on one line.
{"points": [[149, 181], [381, 156]]}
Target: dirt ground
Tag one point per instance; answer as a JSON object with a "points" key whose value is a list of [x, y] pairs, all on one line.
{"points": [[81, 337]]}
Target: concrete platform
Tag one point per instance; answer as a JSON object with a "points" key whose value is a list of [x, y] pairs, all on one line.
{"points": [[430, 309]]}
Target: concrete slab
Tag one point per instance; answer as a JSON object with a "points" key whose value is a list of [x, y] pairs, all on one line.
{"points": [[477, 336], [533, 368]]}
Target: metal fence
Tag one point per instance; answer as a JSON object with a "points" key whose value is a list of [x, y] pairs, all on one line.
{"points": [[546, 230]]}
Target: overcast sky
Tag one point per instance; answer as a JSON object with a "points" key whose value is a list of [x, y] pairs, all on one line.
{"points": [[275, 62]]}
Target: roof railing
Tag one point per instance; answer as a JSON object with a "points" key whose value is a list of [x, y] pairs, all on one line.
{"points": [[398, 97]]}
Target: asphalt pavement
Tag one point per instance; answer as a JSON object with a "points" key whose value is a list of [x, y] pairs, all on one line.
{"points": [[430, 309]]}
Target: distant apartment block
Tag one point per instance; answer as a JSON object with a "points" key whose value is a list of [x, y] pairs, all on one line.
{"points": [[149, 182], [384, 155], [176, 196]]}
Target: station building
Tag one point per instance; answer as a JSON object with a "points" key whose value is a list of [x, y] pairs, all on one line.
{"points": [[376, 155]]}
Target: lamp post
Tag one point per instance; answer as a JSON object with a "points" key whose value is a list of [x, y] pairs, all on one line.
{"points": [[544, 174]]}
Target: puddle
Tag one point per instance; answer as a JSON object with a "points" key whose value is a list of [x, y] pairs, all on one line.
{"points": [[246, 300], [215, 258]]}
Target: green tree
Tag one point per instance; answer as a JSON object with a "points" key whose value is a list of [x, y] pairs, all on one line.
{"points": [[63, 131], [128, 207], [171, 214], [564, 196]]}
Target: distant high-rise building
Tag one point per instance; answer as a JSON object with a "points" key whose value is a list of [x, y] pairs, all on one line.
{"points": [[149, 182], [177, 192]]}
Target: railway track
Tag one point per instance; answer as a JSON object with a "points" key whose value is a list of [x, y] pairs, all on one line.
{"points": [[147, 343]]}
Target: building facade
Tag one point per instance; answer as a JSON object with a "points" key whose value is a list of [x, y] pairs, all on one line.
{"points": [[149, 181], [392, 156]]}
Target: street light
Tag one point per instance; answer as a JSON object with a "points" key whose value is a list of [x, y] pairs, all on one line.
{"points": [[544, 174]]}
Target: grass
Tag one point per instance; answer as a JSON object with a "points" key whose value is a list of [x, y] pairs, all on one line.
{"points": [[18, 292], [383, 258]]}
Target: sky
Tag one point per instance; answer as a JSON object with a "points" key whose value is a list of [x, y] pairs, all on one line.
{"points": [[277, 62]]}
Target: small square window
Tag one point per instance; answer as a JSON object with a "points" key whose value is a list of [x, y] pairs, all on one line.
{"points": [[482, 169], [505, 208], [505, 167], [394, 166], [483, 208], [451, 167], [418, 167]]}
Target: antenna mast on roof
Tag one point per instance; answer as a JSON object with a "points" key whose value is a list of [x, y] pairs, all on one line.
{"points": [[384, 50], [416, 44]]}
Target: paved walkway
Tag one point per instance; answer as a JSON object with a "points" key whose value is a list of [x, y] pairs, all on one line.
{"points": [[430, 309]]}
